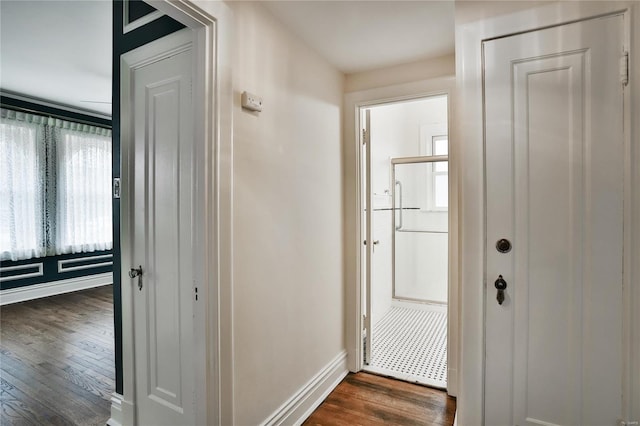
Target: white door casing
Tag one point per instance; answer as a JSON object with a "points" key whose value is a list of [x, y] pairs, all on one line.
{"points": [[160, 233], [369, 228], [366, 141], [355, 102], [554, 166]]}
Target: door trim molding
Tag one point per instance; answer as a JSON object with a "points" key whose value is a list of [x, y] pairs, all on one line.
{"points": [[211, 25], [353, 102], [469, 125]]}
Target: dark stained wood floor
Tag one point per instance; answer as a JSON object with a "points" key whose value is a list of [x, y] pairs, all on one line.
{"points": [[367, 399], [57, 359], [57, 368]]}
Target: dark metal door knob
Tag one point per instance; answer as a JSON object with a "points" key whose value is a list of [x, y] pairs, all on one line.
{"points": [[137, 272], [503, 245]]}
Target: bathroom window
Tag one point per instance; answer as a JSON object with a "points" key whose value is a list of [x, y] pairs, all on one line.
{"points": [[439, 199]]}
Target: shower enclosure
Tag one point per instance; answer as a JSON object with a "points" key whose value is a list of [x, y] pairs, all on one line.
{"points": [[420, 229]]}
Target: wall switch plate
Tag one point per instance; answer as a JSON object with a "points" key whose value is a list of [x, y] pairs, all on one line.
{"points": [[251, 102]]}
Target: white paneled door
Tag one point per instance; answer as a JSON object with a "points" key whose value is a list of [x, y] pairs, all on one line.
{"points": [[554, 190], [161, 167]]}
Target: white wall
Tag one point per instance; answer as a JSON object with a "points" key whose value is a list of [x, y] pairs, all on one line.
{"points": [[475, 10], [399, 74], [398, 130], [288, 306]]}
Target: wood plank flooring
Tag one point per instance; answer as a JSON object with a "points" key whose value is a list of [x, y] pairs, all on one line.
{"points": [[367, 399], [57, 359], [57, 368]]}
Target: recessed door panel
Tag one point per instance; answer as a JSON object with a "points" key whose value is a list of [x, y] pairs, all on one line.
{"points": [[163, 296]]}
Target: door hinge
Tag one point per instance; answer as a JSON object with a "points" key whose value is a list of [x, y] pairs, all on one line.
{"points": [[624, 69], [364, 136], [116, 187]]}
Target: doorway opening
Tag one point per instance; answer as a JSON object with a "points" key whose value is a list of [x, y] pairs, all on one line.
{"points": [[406, 251]]}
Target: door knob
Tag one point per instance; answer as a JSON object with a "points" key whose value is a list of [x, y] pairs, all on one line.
{"points": [[503, 245], [137, 272], [501, 286]]}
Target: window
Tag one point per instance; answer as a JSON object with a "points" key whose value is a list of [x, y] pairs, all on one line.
{"points": [[55, 187], [83, 192], [440, 174], [435, 174], [21, 197]]}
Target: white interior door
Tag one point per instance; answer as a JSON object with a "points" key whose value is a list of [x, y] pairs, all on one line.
{"points": [[554, 188], [161, 207]]}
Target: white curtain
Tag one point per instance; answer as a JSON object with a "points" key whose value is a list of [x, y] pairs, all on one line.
{"points": [[83, 191], [22, 227], [55, 187]]}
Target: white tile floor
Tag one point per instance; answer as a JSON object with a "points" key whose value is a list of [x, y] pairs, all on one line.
{"points": [[410, 343]]}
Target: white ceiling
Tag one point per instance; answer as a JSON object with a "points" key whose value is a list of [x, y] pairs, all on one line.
{"points": [[363, 35], [60, 51]]}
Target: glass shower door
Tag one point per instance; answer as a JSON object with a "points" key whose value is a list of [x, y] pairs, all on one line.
{"points": [[420, 229]]}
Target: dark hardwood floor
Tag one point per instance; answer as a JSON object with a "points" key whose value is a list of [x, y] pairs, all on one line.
{"points": [[57, 359], [367, 399], [57, 368]]}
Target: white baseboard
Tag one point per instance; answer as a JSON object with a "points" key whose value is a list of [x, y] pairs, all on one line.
{"points": [[36, 291], [121, 411], [310, 396], [116, 410], [452, 382]]}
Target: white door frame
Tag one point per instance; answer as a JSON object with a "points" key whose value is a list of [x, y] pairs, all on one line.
{"points": [[469, 125], [353, 102], [212, 95]]}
